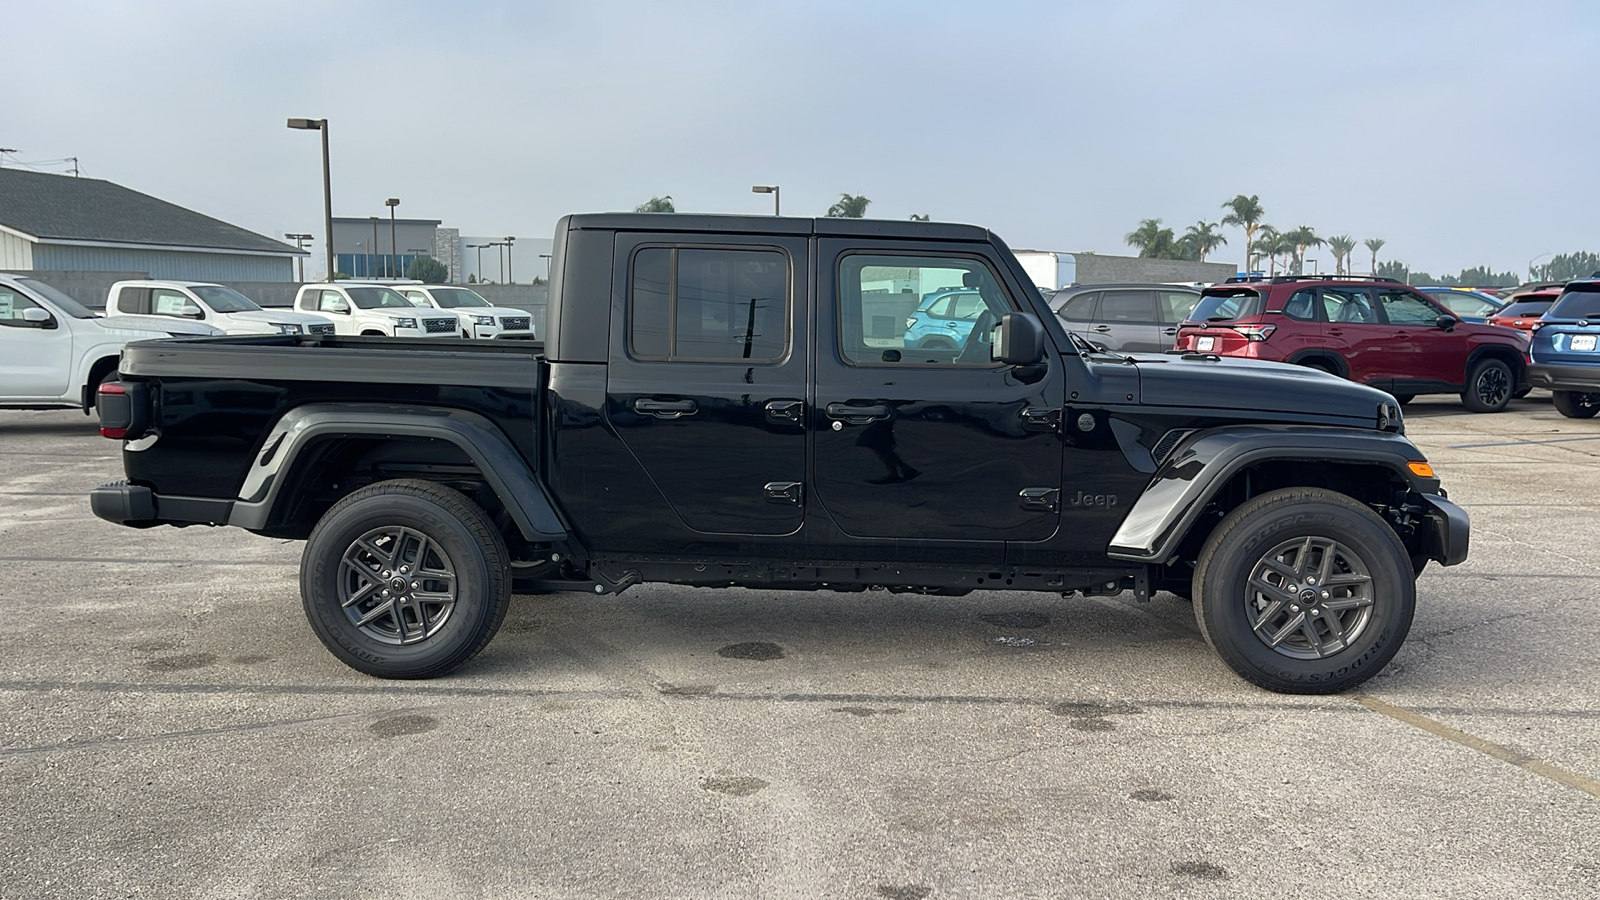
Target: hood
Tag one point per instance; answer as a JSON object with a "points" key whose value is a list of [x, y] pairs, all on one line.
{"points": [[143, 326], [415, 312], [1248, 385], [275, 317]]}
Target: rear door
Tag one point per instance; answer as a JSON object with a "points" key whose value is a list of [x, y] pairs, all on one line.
{"points": [[1128, 321], [1356, 333], [706, 381]]}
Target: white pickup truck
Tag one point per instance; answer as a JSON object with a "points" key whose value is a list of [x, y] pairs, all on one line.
{"points": [[54, 352], [213, 304], [374, 309], [479, 318]]}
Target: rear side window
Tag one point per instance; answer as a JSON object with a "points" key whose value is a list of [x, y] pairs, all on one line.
{"points": [[1128, 306], [709, 305], [1348, 306], [1302, 306], [1579, 302], [134, 301], [1080, 308], [1226, 306]]}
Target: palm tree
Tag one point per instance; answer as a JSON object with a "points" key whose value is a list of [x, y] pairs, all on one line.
{"points": [[1202, 238], [657, 204], [1153, 241], [1374, 244], [919, 217], [1245, 212], [849, 207], [1303, 237], [1341, 245], [1267, 242]]}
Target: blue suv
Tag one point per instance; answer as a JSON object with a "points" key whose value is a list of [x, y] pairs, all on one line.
{"points": [[944, 319], [1564, 356]]}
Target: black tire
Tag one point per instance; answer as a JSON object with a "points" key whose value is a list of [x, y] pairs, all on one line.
{"points": [[1364, 633], [1521, 392], [353, 560], [1489, 386], [1576, 404]]}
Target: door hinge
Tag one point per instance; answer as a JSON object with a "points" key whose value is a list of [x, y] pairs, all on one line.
{"points": [[1041, 498], [788, 492], [1038, 418]]}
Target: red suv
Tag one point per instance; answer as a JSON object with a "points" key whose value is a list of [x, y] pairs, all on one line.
{"points": [[1375, 331]]}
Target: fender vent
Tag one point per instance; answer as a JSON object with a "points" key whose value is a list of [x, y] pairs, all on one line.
{"points": [[1163, 447]]}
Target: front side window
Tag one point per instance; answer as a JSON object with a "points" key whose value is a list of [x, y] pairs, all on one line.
{"points": [[1348, 306], [1405, 308], [64, 303], [455, 298], [709, 305], [12, 303], [378, 298], [169, 303], [333, 302], [918, 309]]}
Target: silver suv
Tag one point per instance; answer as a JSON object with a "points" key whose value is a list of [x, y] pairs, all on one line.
{"points": [[1127, 318]]}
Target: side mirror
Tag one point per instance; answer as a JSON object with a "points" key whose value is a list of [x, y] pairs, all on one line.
{"points": [[1018, 340], [39, 318], [1446, 323], [190, 311]]}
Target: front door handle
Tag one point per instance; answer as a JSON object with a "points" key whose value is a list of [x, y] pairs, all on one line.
{"points": [[857, 415], [1103, 329], [781, 412], [1169, 331], [665, 409]]}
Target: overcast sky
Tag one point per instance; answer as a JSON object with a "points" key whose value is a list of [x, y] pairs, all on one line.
{"points": [[1458, 131]]}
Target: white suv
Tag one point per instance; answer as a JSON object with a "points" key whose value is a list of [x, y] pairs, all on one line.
{"points": [[376, 309], [54, 352], [213, 304], [479, 319]]}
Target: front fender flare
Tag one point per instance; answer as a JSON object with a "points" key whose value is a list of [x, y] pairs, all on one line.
{"points": [[1203, 463], [505, 471]]}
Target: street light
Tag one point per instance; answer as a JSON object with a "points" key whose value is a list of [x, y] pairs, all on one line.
{"points": [[394, 252], [509, 241], [327, 181], [479, 248], [1531, 276], [300, 241], [546, 258], [768, 189], [372, 268]]}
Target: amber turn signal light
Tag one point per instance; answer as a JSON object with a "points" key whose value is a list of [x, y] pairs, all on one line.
{"points": [[1420, 468]]}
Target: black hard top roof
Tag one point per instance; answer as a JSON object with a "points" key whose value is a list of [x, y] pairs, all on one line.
{"points": [[824, 227]]}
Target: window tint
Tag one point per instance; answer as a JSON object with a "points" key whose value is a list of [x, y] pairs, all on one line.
{"points": [[1578, 303], [709, 305], [1080, 308], [1405, 308], [1528, 308], [165, 302], [1302, 306], [134, 301], [1226, 305], [1174, 306], [11, 306], [1348, 306], [878, 298], [1128, 306], [333, 302]]}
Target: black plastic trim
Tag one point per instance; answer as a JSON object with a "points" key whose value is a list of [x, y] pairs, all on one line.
{"points": [[366, 360], [1565, 378], [1450, 532]]}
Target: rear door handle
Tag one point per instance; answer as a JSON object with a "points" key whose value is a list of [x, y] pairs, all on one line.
{"points": [[665, 409], [1103, 329], [1169, 331], [857, 415]]}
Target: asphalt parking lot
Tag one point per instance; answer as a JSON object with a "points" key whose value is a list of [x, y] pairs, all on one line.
{"points": [[171, 728]]}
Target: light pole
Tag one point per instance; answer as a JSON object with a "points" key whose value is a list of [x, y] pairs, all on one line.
{"points": [[372, 267], [509, 241], [394, 252], [1531, 275], [479, 248], [768, 189], [327, 182], [546, 258], [299, 244]]}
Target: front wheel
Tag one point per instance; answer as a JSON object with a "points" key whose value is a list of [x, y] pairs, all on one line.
{"points": [[1489, 386], [1304, 591], [405, 579], [1576, 404]]}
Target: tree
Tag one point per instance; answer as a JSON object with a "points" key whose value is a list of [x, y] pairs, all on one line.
{"points": [[919, 217], [472, 279], [1152, 241], [1566, 267], [1303, 237], [428, 270], [1245, 212], [1341, 245], [657, 205], [1202, 238], [1272, 243], [850, 206], [1374, 244], [1391, 268]]}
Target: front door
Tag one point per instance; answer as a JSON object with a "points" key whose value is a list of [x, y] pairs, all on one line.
{"points": [[918, 446], [706, 381], [35, 361], [1425, 355]]}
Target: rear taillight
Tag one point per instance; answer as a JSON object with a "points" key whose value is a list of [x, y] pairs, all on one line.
{"points": [[911, 322], [124, 409], [1255, 332]]}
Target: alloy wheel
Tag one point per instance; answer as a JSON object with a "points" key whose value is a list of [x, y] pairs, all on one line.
{"points": [[397, 585], [1309, 598], [1493, 387]]}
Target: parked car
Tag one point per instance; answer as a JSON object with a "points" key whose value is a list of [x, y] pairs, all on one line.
{"points": [[1532, 287], [1375, 331], [1471, 306], [358, 308], [712, 411], [214, 304], [1126, 318], [479, 318], [55, 352], [944, 319], [1524, 312], [1565, 357]]}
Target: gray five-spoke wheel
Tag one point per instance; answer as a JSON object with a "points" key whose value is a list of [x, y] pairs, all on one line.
{"points": [[1309, 598], [396, 585]]}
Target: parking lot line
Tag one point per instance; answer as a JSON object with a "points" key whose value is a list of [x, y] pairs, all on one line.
{"points": [[1489, 748]]}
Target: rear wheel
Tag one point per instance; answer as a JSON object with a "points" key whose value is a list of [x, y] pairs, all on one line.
{"points": [[1489, 386], [1304, 591], [1576, 404], [405, 579]]}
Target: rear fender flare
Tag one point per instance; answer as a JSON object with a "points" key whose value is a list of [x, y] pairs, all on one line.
{"points": [[1199, 467], [503, 469]]}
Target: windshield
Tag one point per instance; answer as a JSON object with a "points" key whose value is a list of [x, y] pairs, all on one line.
{"points": [[1579, 302], [452, 298], [224, 299], [378, 298], [67, 305], [1528, 308], [1226, 305]]}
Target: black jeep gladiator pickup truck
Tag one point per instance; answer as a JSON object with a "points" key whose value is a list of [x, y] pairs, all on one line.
{"points": [[737, 401]]}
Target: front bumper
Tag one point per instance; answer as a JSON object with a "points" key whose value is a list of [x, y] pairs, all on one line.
{"points": [[1564, 378], [1450, 531]]}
